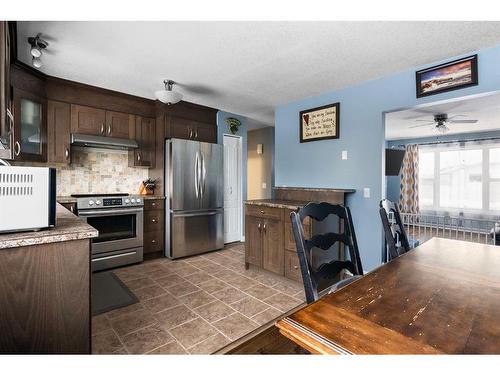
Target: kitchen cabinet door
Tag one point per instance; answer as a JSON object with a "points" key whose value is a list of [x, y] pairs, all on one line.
{"points": [[119, 125], [273, 246], [205, 133], [30, 126], [6, 115], [145, 133], [182, 128], [88, 120], [58, 132], [253, 241]]}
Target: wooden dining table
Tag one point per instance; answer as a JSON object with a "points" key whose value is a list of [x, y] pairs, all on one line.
{"points": [[443, 297]]}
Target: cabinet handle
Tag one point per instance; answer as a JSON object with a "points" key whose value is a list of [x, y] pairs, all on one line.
{"points": [[264, 227], [153, 204], [109, 129], [190, 133], [17, 148], [258, 226], [102, 128], [153, 241], [138, 157], [262, 212], [66, 153], [72, 208], [11, 118], [295, 267], [196, 134], [153, 220]]}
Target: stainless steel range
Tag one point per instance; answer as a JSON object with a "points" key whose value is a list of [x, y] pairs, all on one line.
{"points": [[119, 220]]}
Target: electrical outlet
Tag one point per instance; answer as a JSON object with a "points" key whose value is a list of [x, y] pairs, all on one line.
{"points": [[264, 185], [344, 155], [366, 192]]}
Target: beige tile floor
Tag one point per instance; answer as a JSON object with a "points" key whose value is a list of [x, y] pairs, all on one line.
{"points": [[195, 305]]}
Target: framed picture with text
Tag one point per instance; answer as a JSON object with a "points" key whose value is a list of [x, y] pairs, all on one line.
{"points": [[320, 123]]}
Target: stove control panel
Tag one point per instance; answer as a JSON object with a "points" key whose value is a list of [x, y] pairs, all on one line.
{"points": [[112, 202]]}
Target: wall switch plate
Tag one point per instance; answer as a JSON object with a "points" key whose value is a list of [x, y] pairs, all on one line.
{"points": [[264, 185], [344, 155], [366, 192]]}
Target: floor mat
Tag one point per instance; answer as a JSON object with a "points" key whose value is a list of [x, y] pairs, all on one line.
{"points": [[109, 293]]}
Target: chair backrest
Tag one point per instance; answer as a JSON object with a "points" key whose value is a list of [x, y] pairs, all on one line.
{"points": [[312, 275], [395, 235]]}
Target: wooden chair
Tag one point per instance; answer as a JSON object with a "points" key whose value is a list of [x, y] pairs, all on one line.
{"points": [[330, 270], [395, 235]]}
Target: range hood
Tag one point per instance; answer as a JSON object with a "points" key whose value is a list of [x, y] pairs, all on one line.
{"points": [[102, 142]]}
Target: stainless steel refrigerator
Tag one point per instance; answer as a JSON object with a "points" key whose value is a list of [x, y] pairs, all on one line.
{"points": [[194, 189]]}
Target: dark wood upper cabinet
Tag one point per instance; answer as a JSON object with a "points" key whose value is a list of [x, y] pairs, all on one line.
{"points": [[145, 136], [58, 132], [6, 115], [206, 133], [30, 126], [88, 120], [119, 124], [192, 130]]}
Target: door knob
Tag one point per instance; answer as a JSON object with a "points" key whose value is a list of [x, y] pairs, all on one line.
{"points": [[153, 241]]}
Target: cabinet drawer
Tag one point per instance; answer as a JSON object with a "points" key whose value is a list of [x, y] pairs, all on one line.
{"points": [[292, 266], [153, 242], [264, 212], [290, 239], [153, 220], [153, 204]]}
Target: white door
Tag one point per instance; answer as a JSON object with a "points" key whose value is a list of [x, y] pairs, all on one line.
{"points": [[232, 189]]}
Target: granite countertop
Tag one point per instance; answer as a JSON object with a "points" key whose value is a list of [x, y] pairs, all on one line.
{"points": [[276, 203], [326, 190], [70, 199], [68, 228]]}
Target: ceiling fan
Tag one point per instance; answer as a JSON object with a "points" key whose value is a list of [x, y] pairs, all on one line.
{"points": [[441, 120]]}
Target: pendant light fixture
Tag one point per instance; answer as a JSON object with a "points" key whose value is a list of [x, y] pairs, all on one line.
{"points": [[37, 46], [168, 96]]}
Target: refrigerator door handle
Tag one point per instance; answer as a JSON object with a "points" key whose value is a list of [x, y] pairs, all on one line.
{"points": [[203, 175], [196, 175]]}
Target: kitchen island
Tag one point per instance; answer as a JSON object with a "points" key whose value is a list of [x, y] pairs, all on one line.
{"points": [[269, 241], [45, 288]]}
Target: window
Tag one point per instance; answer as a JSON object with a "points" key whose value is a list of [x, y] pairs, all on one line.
{"points": [[460, 178]]}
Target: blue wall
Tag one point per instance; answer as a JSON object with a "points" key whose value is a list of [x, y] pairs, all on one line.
{"points": [[393, 182], [362, 107], [222, 129]]}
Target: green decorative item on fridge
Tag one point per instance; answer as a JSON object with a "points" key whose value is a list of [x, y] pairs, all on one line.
{"points": [[233, 124]]}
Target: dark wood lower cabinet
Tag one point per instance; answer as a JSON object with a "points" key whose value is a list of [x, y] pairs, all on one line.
{"points": [[154, 232], [45, 298], [269, 241]]}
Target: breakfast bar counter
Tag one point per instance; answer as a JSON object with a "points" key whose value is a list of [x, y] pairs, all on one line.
{"points": [[68, 228]]}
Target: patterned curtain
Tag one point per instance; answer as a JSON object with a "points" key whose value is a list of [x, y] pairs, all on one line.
{"points": [[408, 197]]}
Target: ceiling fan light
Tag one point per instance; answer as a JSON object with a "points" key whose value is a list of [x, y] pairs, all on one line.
{"points": [[36, 51], [168, 97], [37, 63]]}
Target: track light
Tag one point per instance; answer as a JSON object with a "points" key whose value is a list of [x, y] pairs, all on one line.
{"points": [[37, 46]]}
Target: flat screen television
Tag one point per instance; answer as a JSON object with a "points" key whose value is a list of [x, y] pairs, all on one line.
{"points": [[393, 161]]}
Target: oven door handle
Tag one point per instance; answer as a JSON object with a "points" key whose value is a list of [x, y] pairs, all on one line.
{"points": [[109, 212]]}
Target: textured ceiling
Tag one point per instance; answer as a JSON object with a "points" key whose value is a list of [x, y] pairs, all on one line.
{"points": [[485, 109], [246, 67]]}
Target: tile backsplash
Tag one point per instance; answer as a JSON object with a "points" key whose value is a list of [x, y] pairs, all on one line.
{"points": [[94, 170]]}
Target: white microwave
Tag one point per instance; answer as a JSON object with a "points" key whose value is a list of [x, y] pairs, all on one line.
{"points": [[27, 198]]}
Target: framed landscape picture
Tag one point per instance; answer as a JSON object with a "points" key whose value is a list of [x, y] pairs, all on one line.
{"points": [[320, 123], [454, 75]]}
